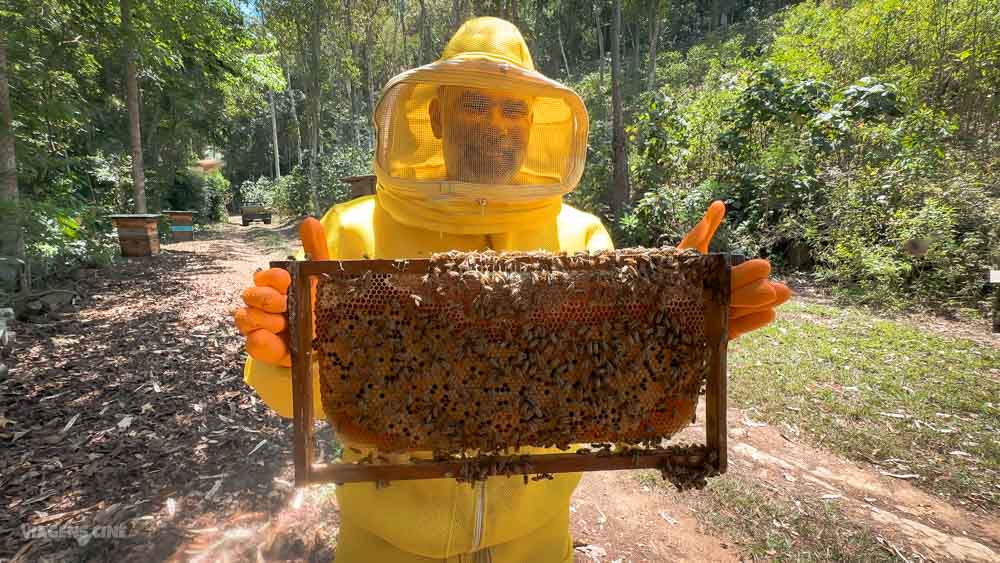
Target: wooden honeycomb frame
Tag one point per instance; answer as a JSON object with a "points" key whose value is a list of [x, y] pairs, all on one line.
{"points": [[673, 461]]}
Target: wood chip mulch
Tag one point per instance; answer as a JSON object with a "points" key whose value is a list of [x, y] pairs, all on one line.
{"points": [[128, 410]]}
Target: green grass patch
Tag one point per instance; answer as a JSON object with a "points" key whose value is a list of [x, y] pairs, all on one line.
{"points": [[773, 527], [912, 402]]}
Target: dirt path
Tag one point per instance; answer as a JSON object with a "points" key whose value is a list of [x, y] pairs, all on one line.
{"points": [[129, 410]]}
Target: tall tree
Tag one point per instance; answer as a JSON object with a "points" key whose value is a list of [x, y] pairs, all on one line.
{"points": [[132, 101], [315, 29], [296, 128], [274, 135], [352, 87], [425, 35], [562, 47], [635, 71], [600, 40], [458, 13], [654, 36], [11, 239], [620, 193]]}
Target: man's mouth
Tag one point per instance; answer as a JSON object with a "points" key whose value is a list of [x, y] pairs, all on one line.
{"points": [[490, 153]]}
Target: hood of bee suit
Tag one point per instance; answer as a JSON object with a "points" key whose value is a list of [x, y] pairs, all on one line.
{"points": [[414, 185]]}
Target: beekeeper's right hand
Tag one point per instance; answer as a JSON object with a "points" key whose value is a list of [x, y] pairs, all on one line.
{"points": [[264, 321]]}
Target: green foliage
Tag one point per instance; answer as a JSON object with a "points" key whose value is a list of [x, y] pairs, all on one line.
{"points": [[664, 214], [659, 138], [829, 159], [291, 195], [342, 161], [63, 236], [206, 194], [66, 71], [918, 227], [944, 53]]}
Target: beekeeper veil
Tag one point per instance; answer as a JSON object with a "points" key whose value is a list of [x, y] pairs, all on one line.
{"points": [[478, 142]]}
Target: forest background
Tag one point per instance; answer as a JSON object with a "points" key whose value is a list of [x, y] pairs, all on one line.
{"points": [[855, 142]]}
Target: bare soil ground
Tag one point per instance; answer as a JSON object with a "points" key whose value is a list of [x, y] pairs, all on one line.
{"points": [[128, 408]]}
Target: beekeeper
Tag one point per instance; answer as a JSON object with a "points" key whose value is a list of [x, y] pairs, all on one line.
{"points": [[474, 152]]}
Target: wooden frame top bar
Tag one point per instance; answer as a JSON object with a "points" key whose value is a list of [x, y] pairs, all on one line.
{"points": [[422, 265]]}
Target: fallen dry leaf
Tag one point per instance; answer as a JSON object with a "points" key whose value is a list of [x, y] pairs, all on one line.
{"points": [[125, 422]]}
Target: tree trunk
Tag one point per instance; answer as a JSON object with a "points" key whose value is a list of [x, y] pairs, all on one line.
{"points": [[620, 193], [152, 143], [370, 75], [536, 32], [295, 113], [354, 88], [456, 15], [314, 40], [425, 35], [11, 237], [297, 125], [600, 40], [402, 24], [132, 101], [274, 137], [654, 37], [636, 72], [562, 49]]}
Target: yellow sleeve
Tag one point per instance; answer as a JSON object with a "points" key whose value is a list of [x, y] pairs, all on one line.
{"points": [[273, 384], [598, 237]]}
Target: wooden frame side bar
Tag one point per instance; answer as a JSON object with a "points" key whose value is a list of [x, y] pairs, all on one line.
{"points": [[300, 337], [717, 331]]}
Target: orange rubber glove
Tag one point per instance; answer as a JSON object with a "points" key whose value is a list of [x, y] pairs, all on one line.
{"points": [[264, 320], [754, 297]]}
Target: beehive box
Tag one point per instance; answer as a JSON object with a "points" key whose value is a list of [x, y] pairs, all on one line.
{"points": [[181, 225], [137, 234], [490, 352]]}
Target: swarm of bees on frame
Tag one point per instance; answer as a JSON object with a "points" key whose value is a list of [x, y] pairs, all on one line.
{"points": [[489, 352]]}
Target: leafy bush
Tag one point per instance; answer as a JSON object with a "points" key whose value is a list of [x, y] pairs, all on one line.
{"points": [[292, 194], [820, 170], [206, 194], [60, 238], [917, 228]]}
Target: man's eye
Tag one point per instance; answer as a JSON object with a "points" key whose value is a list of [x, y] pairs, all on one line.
{"points": [[515, 110], [475, 105]]}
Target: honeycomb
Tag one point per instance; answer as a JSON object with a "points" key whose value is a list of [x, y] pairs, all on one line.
{"points": [[486, 352]]}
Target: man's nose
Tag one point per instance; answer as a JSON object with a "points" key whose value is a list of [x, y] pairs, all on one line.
{"points": [[497, 119]]}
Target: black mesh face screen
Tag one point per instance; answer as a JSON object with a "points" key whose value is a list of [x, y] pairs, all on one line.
{"points": [[484, 134]]}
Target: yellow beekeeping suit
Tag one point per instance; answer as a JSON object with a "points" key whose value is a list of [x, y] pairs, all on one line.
{"points": [[438, 191]]}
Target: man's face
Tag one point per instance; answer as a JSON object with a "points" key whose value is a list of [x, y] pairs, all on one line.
{"points": [[484, 133]]}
